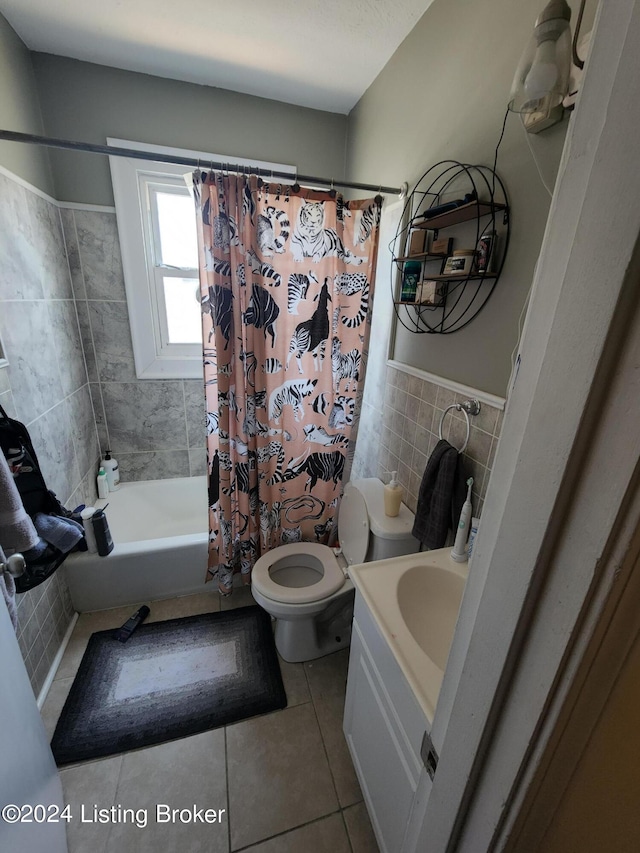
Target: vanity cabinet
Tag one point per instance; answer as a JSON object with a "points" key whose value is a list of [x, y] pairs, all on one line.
{"points": [[384, 726]]}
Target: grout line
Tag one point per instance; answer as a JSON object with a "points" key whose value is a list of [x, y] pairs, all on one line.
{"points": [[324, 746], [287, 831]]}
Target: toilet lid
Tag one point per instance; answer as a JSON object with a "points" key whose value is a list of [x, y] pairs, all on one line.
{"points": [[331, 581], [353, 525]]}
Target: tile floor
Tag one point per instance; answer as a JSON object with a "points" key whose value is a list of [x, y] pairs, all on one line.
{"points": [[285, 779]]}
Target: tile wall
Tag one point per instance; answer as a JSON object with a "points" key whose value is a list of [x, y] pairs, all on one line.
{"points": [[399, 429], [46, 387], [154, 428]]}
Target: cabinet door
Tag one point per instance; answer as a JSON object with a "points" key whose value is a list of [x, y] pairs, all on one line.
{"points": [[384, 775]]}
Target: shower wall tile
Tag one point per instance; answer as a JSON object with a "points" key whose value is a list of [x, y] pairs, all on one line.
{"points": [[86, 339], [26, 331], [197, 461], [52, 436], [111, 332], [153, 465], [20, 267], [99, 250], [68, 344], [73, 253], [195, 412], [83, 430], [48, 237], [45, 386], [146, 415], [98, 411]]}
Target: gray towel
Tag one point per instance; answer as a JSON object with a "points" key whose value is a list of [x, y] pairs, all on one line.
{"points": [[441, 496], [17, 532], [63, 533], [8, 591]]}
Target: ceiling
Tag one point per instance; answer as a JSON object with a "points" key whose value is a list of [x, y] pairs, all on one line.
{"points": [[315, 53]]}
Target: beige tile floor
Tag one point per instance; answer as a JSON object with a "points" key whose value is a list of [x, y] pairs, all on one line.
{"points": [[285, 779]]}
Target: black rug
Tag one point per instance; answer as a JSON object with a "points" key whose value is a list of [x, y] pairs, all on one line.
{"points": [[170, 680]]}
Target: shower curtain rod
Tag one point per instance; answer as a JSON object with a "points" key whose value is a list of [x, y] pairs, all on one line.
{"points": [[52, 142]]}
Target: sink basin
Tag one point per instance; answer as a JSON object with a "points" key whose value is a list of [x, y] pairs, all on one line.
{"points": [[429, 599], [415, 601]]}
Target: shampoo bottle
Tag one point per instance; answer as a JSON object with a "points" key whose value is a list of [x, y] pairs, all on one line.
{"points": [[111, 469], [102, 483], [459, 551], [87, 515], [392, 496]]}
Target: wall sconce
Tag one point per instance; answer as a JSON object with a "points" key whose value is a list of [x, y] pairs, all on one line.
{"points": [[541, 81]]}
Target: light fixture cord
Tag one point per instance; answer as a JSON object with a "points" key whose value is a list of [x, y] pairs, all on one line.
{"points": [[535, 160], [495, 158]]}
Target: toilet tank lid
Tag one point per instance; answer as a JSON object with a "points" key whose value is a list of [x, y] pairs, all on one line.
{"points": [[400, 527]]}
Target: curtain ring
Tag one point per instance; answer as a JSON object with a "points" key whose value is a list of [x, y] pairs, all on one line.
{"points": [[332, 191]]}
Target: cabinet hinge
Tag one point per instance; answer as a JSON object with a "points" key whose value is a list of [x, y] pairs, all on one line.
{"points": [[429, 755]]}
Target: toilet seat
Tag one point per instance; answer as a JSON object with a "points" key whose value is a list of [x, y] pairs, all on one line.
{"points": [[331, 581]]}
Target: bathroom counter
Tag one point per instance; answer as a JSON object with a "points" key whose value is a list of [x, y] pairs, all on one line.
{"points": [[415, 601]]}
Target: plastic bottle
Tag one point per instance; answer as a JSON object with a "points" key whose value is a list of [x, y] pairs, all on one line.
{"points": [[459, 551], [392, 496], [472, 536], [103, 484], [111, 469], [102, 533], [87, 515]]}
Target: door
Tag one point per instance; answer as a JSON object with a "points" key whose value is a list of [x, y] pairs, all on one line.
{"points": [[28, 775]]}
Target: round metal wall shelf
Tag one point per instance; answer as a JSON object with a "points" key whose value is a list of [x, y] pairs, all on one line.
{"points": [[463, 296]]}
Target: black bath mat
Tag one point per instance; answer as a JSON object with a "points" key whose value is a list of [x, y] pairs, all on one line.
{"points": [[170, 680]]}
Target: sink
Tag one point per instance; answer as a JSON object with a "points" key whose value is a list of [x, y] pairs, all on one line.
{"points": [[415, 601], [429, 599]]}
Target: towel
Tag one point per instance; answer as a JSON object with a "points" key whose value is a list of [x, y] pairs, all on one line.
{"points": [[63, 533], [8, 591], [17, 532], [441, 496]]}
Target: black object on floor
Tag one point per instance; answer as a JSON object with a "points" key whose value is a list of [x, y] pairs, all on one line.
{"points": [[132, 623], [171, 680]]}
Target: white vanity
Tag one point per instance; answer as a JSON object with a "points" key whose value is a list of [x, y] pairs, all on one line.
{"points": [[405, 615]]}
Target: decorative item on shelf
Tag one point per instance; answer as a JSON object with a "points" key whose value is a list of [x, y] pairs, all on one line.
{"points": [[438, 209], [417, 242], [431, 293], [410, 276], [460, 263], [484, 252], [442, 246]]}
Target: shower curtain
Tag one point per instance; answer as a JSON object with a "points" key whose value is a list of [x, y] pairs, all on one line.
{"points": [[286, 278]]}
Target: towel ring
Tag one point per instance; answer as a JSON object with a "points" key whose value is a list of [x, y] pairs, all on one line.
{"points": [[469, 407]]}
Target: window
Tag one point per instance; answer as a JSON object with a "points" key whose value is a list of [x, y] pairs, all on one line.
{"points": [[157, 229]]}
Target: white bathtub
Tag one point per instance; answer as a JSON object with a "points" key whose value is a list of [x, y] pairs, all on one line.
{"points": [[160, 533]]}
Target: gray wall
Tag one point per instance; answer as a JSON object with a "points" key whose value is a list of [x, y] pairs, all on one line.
{"points": [[46, 387], [20, 111], [91, 102], [155, 428], [442, 96]]}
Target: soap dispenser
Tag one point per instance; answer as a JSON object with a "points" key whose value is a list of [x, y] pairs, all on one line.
{"points": [[392, 496]]}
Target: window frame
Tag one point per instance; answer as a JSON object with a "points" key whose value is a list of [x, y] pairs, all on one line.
{"points": [[154, 356]]}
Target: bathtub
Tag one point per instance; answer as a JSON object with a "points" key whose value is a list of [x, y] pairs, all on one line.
{"points": [[160, 534]]}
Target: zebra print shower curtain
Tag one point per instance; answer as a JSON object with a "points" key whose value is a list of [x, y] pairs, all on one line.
{"points": [[286, 279]]}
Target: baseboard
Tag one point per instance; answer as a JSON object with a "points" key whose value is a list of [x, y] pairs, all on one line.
{"points": [[56, 663]]}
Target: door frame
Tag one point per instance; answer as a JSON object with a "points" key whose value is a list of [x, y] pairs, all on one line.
{"points": [[564, 472]]}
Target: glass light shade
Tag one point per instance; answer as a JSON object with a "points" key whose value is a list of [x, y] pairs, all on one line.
{"points": [[542, 78]]}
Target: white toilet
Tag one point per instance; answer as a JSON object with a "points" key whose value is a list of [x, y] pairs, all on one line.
{"points": [[305, 586]]}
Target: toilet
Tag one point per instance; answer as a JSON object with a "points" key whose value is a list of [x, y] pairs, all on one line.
{"points": [[305, 586]]}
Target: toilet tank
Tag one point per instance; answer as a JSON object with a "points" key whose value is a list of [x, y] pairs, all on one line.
{"points": [[388, 537]]}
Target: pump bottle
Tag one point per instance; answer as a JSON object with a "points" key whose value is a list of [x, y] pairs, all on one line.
{"points": [[392, 496]]}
